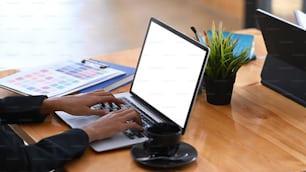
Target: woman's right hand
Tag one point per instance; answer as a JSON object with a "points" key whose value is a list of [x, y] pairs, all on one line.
{"points": [[112, 123]]}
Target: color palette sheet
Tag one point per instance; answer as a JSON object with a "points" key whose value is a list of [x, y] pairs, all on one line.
{"points": [[58, 79]]}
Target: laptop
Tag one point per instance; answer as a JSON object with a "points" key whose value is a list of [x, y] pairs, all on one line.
{"points": [[166, 82], [284, 68]]}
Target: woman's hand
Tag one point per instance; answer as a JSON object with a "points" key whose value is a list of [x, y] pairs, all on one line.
{"points": [[79, 104], [107, 125], [113, 123]]}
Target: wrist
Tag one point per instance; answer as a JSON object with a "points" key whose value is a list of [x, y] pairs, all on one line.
{"points": [[48, 106], [90, 133]]}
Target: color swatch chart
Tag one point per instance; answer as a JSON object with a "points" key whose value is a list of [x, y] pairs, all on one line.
{"points": [[58, 79], [81, 71]]}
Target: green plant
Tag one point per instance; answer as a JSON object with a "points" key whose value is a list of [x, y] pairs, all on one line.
{"points": [[222, 62]]}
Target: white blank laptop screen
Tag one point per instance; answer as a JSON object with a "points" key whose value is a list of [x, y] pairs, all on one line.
{"points": [[167, 86]]}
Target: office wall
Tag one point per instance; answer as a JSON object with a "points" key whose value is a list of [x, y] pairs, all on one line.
{"points": [[234, 8]]}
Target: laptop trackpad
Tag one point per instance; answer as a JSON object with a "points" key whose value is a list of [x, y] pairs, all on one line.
{"points": [[116, 141]]}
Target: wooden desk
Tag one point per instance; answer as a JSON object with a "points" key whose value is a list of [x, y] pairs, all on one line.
{"points": [[259, 131]]}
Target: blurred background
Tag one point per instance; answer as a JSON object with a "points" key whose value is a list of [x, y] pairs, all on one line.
{"points": [[37, 32]]}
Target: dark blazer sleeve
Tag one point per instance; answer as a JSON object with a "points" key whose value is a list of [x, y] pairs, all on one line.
{"points": [[21, 109], [49, 153]]}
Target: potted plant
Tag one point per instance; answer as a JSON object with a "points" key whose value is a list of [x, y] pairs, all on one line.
{"points": [[222, 66]]}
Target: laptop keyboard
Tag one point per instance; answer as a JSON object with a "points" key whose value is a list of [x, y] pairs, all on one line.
{"points": [[146, 121], [130, 133]]}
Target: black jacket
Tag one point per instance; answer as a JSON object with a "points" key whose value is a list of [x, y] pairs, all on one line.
{"points": [[49, 153]]}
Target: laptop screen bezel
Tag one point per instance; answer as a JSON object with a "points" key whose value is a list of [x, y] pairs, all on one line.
{"points": [[192, 41]]}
